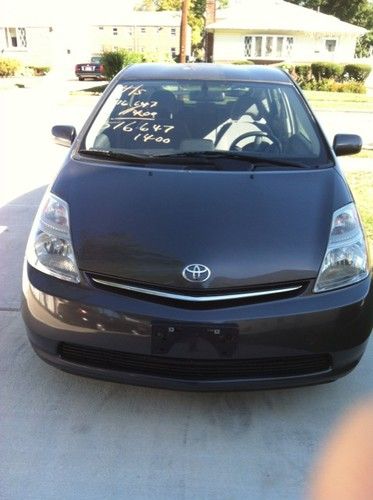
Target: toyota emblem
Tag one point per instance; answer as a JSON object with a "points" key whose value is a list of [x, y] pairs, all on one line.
{"points": [[196, 272]]}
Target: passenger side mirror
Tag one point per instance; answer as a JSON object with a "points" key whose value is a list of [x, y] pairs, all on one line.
{"points": [[64, 134], [347, 144]]}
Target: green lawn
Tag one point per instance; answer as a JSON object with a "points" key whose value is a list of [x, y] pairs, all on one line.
{"points": [[361, 183], [364, 153], [339, 101]]}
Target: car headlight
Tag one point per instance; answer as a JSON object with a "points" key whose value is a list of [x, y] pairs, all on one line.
{"points": [[49, 248], [346, 257]]}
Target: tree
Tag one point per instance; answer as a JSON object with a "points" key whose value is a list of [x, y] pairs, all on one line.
{"points": [[359, 12], [196, 18]]}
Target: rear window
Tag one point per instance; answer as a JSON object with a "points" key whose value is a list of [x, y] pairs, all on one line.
{"points": [[165, 117]]}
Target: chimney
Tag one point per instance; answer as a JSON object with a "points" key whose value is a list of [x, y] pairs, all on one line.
{"points": [[210, 17], [210, 11]]}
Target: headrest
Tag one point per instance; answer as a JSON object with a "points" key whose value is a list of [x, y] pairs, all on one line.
{"points": [[165, 100]]}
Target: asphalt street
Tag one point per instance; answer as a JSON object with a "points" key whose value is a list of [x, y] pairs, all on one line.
{"points": [[67, 437]]}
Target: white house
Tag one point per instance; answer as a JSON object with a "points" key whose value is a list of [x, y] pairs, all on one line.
{"points": [[275, 30], [46, 38]]}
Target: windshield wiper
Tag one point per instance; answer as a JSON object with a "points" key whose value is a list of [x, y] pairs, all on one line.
{"points": [[112, 155], [252, 160], [198, 159], [203, 158], [116, 156]]}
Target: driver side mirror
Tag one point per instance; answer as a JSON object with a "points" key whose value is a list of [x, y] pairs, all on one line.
{"points": [[64, 134], [347, 144]]}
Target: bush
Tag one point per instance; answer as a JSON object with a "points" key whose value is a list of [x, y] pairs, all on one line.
{"points": [[310, 85], [39, 70], [242, 63], [302, 73], [285, 66], [327, 70], [357, 72], [114, 61], [354, 87], [9, 67], [330, 85]]}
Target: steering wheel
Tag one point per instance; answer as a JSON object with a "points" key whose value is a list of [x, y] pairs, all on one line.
{"points": [[256, 133]]}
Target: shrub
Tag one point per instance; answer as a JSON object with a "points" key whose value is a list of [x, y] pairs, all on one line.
{"points": [[39, 70], [357, 72], [330, 85], [285, 66], [302, 73], [310, 85], [157, 57], [327, 70], [355, 87], [114, 61], [242, 63], [9, 67]]}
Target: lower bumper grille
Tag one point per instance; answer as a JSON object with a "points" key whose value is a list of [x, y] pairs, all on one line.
{"points": [[195, 369]]}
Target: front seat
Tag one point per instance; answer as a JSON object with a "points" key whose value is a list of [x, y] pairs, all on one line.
{"points": [[172, 124], [245, 116]]}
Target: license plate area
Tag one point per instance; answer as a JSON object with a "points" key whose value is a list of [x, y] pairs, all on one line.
{"points": [[195, 340]]}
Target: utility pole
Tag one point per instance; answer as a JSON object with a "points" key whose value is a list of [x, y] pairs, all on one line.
{"points": [[183, 30]]}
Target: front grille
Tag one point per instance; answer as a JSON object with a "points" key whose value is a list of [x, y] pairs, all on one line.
{"points": [[200, 299], [196, 369]]}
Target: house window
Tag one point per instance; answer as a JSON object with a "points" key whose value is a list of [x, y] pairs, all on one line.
{"points": [[289, 45], [258, 46], [279, 46], [330, 45], [143, 30], [248, 46], [173, 31], [16, 37], [100, 27], [115, 31], [173, 52], [271, 46]]}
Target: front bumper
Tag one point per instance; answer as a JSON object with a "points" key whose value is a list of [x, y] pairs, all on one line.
{"points": [[109, 335]]}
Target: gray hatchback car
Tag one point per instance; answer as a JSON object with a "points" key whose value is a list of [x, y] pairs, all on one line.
{"points": [[200, 235]]}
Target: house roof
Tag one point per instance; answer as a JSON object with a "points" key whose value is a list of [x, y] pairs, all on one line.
{"points": [[278, 15]]}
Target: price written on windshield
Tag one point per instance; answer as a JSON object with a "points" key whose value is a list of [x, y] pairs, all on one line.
{"points": [[138, 117], [146, 131]]}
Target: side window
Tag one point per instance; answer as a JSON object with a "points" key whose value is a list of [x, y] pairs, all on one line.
{"points": [[303, 136]]}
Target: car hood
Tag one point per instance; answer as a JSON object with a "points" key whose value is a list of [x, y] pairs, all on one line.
{"points": [[146, 225]]}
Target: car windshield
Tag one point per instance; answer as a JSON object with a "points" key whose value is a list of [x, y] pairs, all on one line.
{"points": [[175, 117]]}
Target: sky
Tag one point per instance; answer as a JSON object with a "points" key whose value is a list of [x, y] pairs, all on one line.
{"points": [[52, 11]]}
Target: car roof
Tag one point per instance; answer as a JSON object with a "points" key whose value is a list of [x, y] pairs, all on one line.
{"points": [[203, 71]]}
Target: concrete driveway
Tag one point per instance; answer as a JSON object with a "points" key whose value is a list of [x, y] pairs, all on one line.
{"points": [[66, 437]]}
